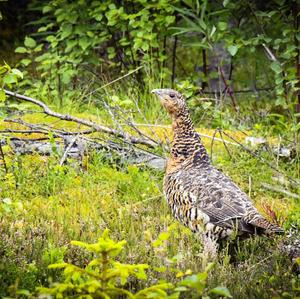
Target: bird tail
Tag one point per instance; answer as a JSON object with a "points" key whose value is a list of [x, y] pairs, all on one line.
{"points": [[268, 227]]}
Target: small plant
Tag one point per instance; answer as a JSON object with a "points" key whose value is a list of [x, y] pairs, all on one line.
{"points": [[105, 277], [8, 77]]}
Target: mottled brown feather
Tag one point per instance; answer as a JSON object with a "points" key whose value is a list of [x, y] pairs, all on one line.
{"points": [[199, 195]]}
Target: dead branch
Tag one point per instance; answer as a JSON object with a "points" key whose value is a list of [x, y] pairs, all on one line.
{"points": [[95, 126], [228, 88], [280, 190], [269, 52], [64, 156]]}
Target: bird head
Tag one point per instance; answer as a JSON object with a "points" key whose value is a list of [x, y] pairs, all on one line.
{"points": [[171, 99]]}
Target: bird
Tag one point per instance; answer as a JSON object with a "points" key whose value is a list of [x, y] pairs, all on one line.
{"points": [[199, 195]]}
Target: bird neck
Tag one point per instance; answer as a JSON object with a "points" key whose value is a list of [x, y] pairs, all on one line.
{"points": [[187, 142]]}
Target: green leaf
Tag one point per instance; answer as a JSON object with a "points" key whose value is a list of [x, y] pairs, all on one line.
{"points": [[29, 42], [84, 43], [38, 48], [213, 30], [222, 26], [23, 292], [232, 49], [2, 95], [222, 291], [4, 69], [225, 2], [17, 73], [276, 67], [47, 9], [66, 30], [10, 79], [21, 50], [67, 76], [25, 62]]}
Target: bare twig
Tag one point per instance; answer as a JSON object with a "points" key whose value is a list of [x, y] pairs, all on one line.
{"points": [[43, 128], [174, 61], [280, 190], [224, 143], [64, 156], [23, 131], [95, 126], [212, 143], [270, 53], [228, 88], [116, 80]]}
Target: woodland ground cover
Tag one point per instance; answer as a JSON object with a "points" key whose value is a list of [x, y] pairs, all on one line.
{"points": [[99, 60]]}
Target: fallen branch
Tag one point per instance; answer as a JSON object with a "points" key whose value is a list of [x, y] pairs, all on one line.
{"points": [[230, 91], [95, 126], [280, 190], [42, 129], [64, 156]]}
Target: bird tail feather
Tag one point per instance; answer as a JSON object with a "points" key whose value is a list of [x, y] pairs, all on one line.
{"points": [[269, 228]]}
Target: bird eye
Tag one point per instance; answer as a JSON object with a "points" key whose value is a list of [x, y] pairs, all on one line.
{"points": [[172, 95]]}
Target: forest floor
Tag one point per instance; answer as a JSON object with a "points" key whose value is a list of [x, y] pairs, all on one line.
{"points": [[45, 206]]}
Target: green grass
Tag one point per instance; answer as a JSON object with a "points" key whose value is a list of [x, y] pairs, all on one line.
{"points": [[44, 206]]}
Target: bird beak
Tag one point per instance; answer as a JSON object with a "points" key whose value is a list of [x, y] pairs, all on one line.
{"points": [[158, 92]]}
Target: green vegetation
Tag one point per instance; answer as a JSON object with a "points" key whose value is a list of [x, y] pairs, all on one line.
{"points": [[100, 227]]}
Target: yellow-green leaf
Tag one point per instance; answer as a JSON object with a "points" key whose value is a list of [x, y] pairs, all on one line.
{"points": [[29, 42]]}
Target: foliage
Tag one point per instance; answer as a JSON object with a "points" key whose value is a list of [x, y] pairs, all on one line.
{"points": [[82, 37], [73, 55], [49, 205], [246, 28], [79, 46], [8, 78], [105, 277]]}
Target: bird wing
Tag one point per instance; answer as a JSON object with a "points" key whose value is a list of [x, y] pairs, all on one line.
{"points": [[218, 197]]}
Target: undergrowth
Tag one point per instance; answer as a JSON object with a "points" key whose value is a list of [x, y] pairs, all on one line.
{"points": [[45, 206]]}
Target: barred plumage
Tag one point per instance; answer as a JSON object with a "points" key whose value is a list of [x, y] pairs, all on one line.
{"points": [[199, 195]]}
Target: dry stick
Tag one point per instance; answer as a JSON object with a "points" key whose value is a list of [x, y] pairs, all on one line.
{"points": [[262, 159], [224, 143], [174, 61], [145, 119], [270, 53], [236, 91], [116, 80], [228, 88], [64, 156], [68, 117], [43, 129], [62, 134], [23, 131], [280, 190], [118, 112], [212, 143]]}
